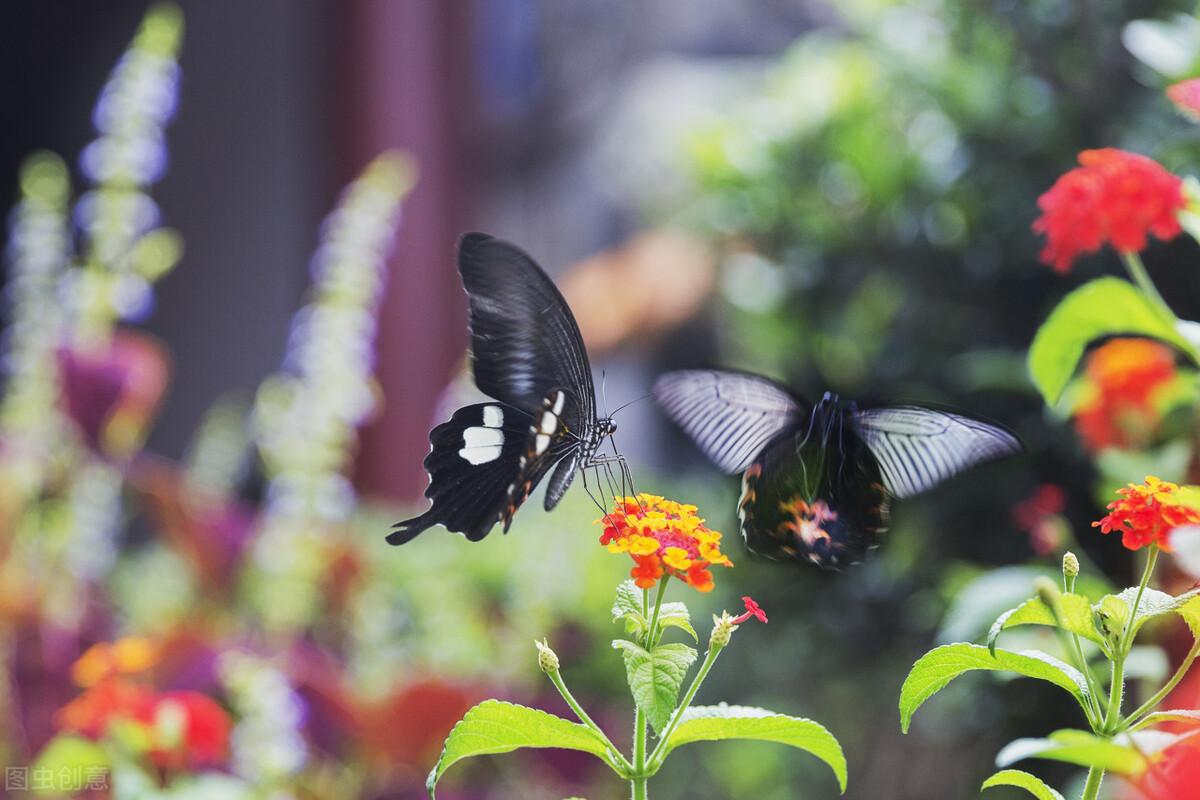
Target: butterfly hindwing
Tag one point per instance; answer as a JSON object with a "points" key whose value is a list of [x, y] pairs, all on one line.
{"points": [[474, 460], [918, 447], [731, 416], [804, 498]]}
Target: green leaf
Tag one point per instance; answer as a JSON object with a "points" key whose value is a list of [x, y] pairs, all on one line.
{"points": [[1104, 307], [676, 615], [1153, 604], [655, 677], [1076, 747], [1022, 780], [495, 726], [1074, 615], [72, 753], [629, 600], [1188, 715], [934, 671], [714, 723]]}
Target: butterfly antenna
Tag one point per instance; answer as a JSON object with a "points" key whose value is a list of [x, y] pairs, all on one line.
{"points": [[604, 390], [631, 402]]}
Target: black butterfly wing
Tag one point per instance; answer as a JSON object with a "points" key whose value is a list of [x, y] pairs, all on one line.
{"points": [[474, 465], [731, 416], [918, 447], [814, 499], [525, 344]]}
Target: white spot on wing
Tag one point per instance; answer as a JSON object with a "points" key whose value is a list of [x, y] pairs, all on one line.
{"points": [[560, 400], [549, 423], [493, 416], [481, 445], [480, 455], [541, 443]]}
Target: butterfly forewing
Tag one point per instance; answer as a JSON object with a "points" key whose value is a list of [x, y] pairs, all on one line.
{"points": [[525, 343], [918, 448], [730, 416]]}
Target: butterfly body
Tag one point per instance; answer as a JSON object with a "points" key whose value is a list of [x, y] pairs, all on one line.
{"points": [[817, 480], [815, 493], [528, 356]]}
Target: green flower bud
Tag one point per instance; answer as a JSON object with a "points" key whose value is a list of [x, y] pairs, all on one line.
{"points": [[723, 628], [1047, 591], [1070, 565], [547, 659]]}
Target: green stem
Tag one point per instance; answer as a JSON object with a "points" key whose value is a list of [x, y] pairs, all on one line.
{"points": [[638, 781], [656, 758], [1117, 691], [1149, 705], [1091, 789], [614, 753], [1137, 271], [652, 635]]}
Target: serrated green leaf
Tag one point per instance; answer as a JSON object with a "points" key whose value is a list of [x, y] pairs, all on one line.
{"points": [[1022, 780], [1153, 604], [676, 615], [495, 726], [1076, 747], [1103, 307], [628, 600], [933, 672], [1188, 715], [1074, 615], [655, 676], [715, 723]]}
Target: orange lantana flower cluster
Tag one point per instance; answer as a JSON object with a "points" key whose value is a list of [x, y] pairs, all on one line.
{"points": [[1121, 380], [1113, 197], [664, 538], [1146, 513], [115, 693]]}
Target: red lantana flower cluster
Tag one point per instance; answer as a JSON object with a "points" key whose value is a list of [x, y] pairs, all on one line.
{"points": [[1040, 516], [1121, 381], [1113, 196], [663, 538], [1145, 514], [185, 730]]}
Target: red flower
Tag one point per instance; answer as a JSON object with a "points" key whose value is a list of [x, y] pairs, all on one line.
{"points": [[1040, 517], [1176, 776], [1186, 97], [203, 731], [753, 609], [1115, 197], [1122, 380], [1146, 514]]}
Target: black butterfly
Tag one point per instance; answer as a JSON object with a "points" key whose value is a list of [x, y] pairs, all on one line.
{"points": [[818, 479], [528, 355]]}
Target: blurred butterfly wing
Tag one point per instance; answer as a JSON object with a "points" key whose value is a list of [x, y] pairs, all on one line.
{"points": [[731, 416], [918, 448], [474, 461], [524, 340]]}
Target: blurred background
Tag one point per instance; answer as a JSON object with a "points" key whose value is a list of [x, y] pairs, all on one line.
{"points": [[206, 433]]}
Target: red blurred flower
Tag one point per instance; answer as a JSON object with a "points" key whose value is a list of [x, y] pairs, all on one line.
{"points": [[1115, 197], [663, 538], [113, 390], [1176, 776], [753, 609], [201, 724], [1186, 97], [1040, 517], [1145, 514], [1122, 379]]}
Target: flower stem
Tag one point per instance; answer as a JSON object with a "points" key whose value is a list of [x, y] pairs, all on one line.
{"points": [[638, 781], [1091, 789], [656, 758], [652, 634], [1137, 271], [1149, 705], [1117, 691], [614, 754]]}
